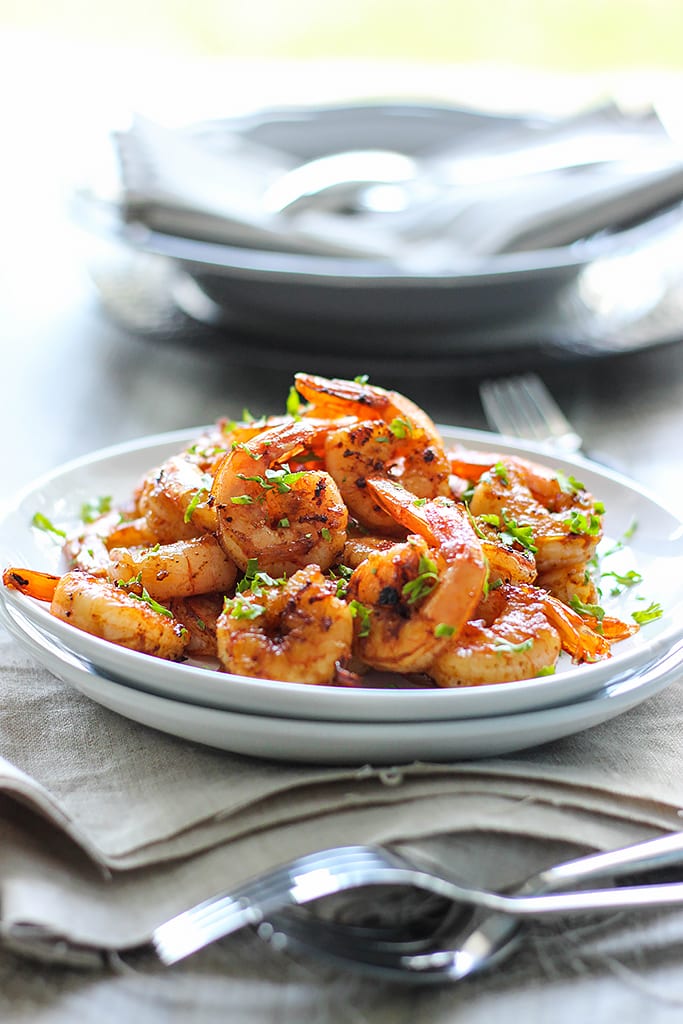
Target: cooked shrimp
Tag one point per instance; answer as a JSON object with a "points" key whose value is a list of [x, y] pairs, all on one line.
{"points": [[102, 608], [195, 566], [366, 450], [510, 638], [331, 397], [578, 635], [412, 597], [507, 562], [99, 607], [296, 631], [564, 519], [285, 520], [359, 545], [199, 616], [568, 583], [88, 547], [174, 500], [392, 436]]}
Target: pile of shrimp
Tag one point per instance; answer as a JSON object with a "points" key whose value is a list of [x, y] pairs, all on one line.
{"points": [[341, 538]]}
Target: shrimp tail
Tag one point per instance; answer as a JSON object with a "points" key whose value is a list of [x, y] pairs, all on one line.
{"points": [[40, 585], [439, 521], [578, 639]]}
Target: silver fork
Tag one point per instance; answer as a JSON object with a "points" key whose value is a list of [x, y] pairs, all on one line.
{"points": [[522, 407], [294, 884], [341, 869]]}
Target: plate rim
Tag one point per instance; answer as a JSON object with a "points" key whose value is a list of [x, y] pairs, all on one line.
{"points": [[154, 711]]}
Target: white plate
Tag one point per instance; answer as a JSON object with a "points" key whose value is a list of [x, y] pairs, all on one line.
{"points": [[301, 740], [280, 292], [655, 550]]}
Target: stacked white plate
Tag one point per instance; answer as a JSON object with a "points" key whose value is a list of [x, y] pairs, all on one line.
{"points": [[188, 210], [378, 723]]}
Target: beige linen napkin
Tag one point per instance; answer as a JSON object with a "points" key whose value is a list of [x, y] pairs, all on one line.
{"points": [[126, 826]]}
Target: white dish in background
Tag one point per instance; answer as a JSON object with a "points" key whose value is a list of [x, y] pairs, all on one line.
{"points": [[283, 293], [655, 550], [337, 742]]}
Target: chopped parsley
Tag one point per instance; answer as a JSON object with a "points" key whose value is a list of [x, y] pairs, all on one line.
{"points": [[96, 507], [144, 595], [242, 446], [274, 479], [504, 647], [401, 428], [626, 536], [622, 580], [569, 484], [595, 610], [293, 404], [423, 584], [41, 522], [510, 531], [649, 614], [255, 580], [362, 613], [630, 529], [341, 575], [238, 607], [192, 505], [500, 470], [580, 522]]}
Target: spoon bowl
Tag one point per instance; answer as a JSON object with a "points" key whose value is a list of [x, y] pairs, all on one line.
{"points": [[336, 181]]}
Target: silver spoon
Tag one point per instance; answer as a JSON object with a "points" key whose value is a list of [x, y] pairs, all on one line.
{"points": [[385, 180], [449, 957]]}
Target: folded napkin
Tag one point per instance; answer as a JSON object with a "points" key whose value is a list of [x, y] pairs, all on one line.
{"points": [[107, 827], [173, 183], [513, 193]]}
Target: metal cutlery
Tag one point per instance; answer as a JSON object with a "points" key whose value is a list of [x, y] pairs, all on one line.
{"points": [[523, 408], [458, 951], [310, 878]]}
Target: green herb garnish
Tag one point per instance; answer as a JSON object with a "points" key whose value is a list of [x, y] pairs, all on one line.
{"points": [[401, 428], [595, 610], [41, 522], [362, 613], [500, 470], [510, 531], [239, 608], [293, 404], [423, 584], [504, 647], [649, 614], [569, 484], [581, 523], [96, 507]]}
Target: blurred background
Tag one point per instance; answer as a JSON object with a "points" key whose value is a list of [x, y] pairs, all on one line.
{"points": [[581, 35], [72, 71]]}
